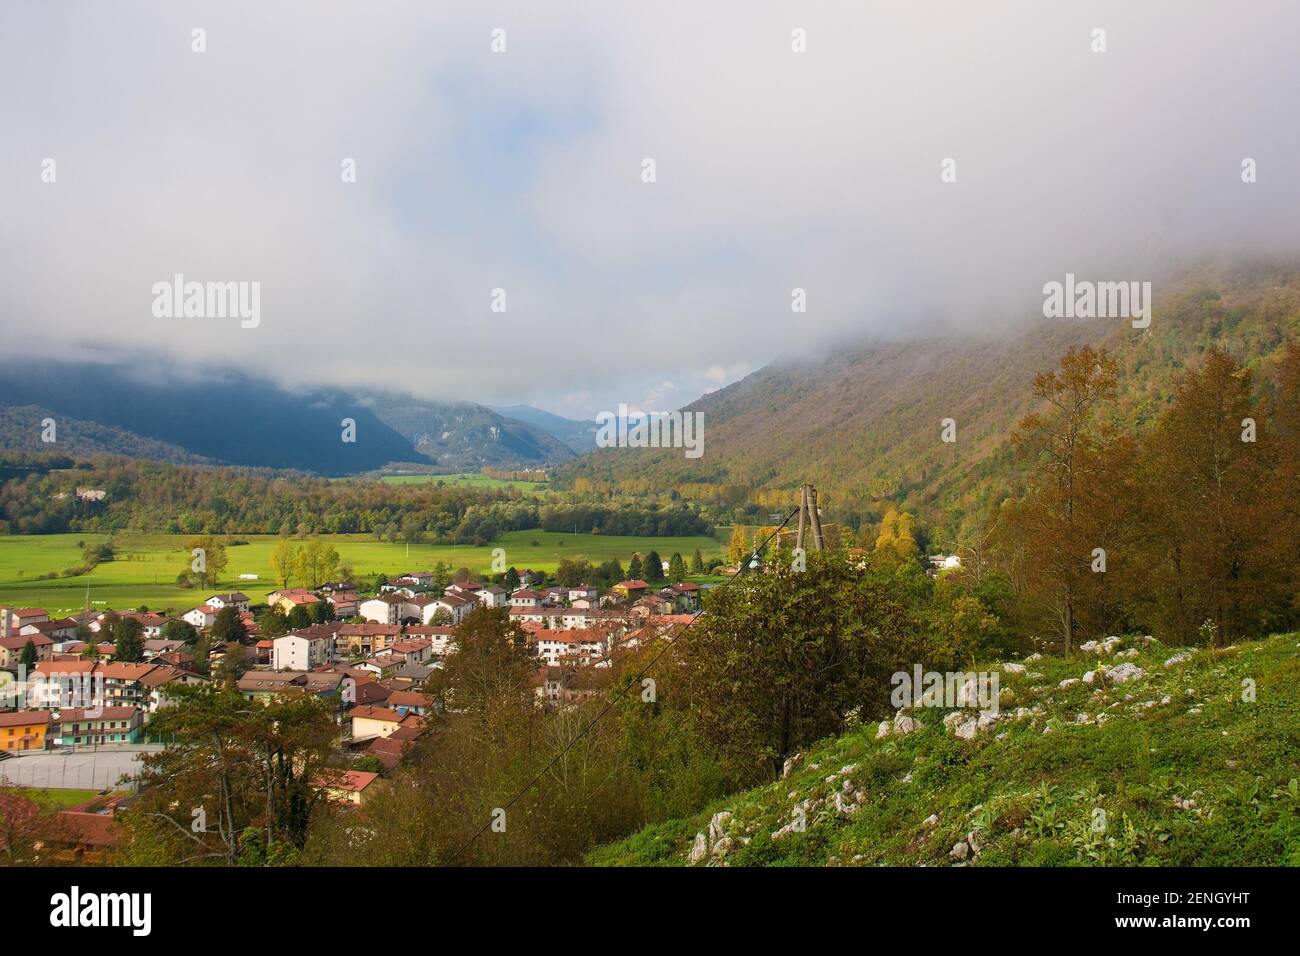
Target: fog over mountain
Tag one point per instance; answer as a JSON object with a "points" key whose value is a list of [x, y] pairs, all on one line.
{"points": [[522, 170]]}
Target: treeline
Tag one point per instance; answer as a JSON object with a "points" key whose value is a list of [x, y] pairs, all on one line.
{"points": [[150, 496], [1185, 530]]}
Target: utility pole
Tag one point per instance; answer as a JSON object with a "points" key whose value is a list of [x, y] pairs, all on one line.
{"points": [[808, 513]]}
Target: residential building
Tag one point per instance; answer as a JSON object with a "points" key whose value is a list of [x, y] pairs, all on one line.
{"points": [[25, 730], [102, 725], [238, 599]]}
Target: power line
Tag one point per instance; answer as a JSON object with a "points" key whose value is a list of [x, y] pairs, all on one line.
{"points": [[618, 695]]}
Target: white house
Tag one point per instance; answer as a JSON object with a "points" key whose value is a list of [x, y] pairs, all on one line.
{"points": [[493, 597], [301, 652], [385, 609], [201, 616], [454, 606], [526, 598], [238, 599], [554, 645]]}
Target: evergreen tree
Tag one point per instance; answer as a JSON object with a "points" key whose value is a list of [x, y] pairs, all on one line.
{"points": [[697, 562], [179, 630], [28, 656], [676, 568], [128, 640], [201, 650], [229, 627], [634, 569], [654, 567]]}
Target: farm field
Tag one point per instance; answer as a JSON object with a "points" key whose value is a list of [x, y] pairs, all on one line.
{"points": [[470, 480], [144, 572]]}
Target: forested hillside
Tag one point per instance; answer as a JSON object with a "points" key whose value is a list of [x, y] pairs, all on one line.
{"points": [[865, 424]]}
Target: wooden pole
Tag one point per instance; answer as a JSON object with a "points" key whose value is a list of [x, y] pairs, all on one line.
{"points": [[815, 518], [803, 514]]}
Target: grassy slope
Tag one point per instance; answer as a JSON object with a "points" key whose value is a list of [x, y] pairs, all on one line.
{"points": [[147, 564], [1030, 797]]}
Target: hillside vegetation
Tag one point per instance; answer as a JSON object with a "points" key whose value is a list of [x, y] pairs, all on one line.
{"points": [[1190, 760], [864, 424]]}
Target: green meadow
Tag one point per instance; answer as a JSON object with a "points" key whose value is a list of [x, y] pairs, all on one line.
{"points": [[145, 569], [468, 480]]}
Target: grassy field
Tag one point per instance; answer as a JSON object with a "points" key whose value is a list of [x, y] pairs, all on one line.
{"points": [[466, 480], [50, 798], [144, 572]]}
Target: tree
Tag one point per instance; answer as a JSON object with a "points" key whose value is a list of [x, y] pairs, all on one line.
{"points": [[739, 548], [233, 665], [571, 572], [1054, 528], [128, 640], [202, 651], [654, 567], [1212, 556], [316, 562], [207, 566], [489, 673], [245, 765], [180, 630], [697, 562], [782, 657], [28, 656], [299, 617], [676, 568], [228, 627], [284, 561], [634, 569], [511, 580]]}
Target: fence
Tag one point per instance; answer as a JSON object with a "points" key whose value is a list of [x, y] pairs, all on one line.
{"points": [[108, 771]]}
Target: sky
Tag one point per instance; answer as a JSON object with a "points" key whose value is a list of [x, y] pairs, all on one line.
{"points": [[523, 170]]}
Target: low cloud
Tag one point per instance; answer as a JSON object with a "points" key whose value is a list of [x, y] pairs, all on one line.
{"points": [[522, 171]]}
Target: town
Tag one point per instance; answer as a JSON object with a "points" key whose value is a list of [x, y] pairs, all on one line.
{"points": [[68, 688]]}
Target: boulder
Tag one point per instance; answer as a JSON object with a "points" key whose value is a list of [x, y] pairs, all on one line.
{"points": [[1123, 673], [700, 849], [904, 724], [718, 825]]}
